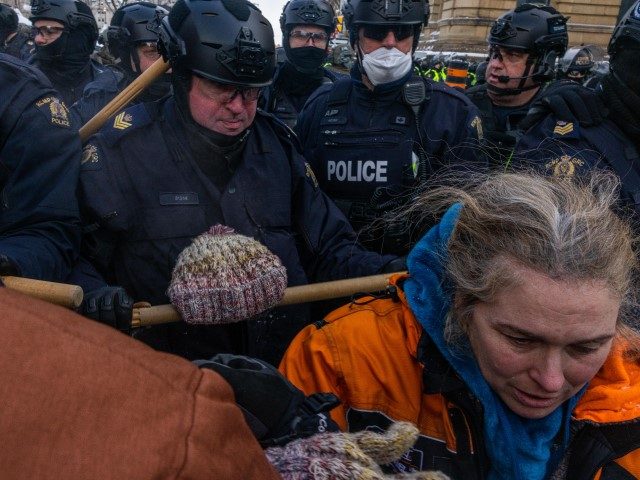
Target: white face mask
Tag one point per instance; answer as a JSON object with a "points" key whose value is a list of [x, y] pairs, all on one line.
{"points": [[385, 65]]}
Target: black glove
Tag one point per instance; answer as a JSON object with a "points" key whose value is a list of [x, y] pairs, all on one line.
{"points": [[568, 101], [8, 267], [109, 305], [275, 410]]}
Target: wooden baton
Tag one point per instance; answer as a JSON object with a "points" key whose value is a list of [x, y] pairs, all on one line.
{"points": [[63, 294], [160, 314], [145, 79]]}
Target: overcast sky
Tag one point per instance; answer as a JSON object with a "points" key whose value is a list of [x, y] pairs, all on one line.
{"points": [[272, 10]]}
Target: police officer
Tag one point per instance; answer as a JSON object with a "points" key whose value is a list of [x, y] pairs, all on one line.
{"points": [[567, 149], [481, 73], [132, 42], [523, 47], [577, 65], [373, 137], [437, 72], [15, 39], [39, 165], [161, 173], [65, 33], [306, 27]]}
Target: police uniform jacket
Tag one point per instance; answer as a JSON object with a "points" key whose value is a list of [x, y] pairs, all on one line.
{"points": [[71, 88], [39, 166], [141, 184], [363, 143], [286, 105], [500, 131], [97, 94], [567, 149], [376, 357]]}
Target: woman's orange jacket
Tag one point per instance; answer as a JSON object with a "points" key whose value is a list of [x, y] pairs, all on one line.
{"points": [[373, 356]]}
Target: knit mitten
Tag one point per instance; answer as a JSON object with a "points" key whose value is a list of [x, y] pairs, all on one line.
{"points": [[347, 456], [224, 277]]}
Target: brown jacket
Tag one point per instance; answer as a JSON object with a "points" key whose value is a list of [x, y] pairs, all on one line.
{"points": [[81, 400]]}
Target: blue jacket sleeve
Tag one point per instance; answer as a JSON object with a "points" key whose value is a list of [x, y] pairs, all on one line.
{"points": [[39, 219]]}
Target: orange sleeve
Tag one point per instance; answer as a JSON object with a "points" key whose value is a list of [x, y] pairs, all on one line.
{"points": [[311, 363], [631, 463]]}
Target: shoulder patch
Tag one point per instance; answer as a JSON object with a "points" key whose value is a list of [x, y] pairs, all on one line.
{"points": [[55, 110], [564, 129], [124, 122], [90, 157], [564, 166], [477, 124], [310, 175]]}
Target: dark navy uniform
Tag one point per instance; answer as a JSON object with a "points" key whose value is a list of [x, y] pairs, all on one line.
{"points": [[368, 152], [39, 165], [71, 89], [97, 94], [139, 180], [286, 105], [499, 126], [567, 149]]}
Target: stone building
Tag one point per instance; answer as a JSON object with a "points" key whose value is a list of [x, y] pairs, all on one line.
{"points": [[463, 25]]}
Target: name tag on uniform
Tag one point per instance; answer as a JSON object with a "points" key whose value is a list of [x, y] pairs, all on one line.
{"points": [[179, 198]]}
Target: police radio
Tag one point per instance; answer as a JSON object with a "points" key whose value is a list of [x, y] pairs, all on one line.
{"points": [[414, 93]]}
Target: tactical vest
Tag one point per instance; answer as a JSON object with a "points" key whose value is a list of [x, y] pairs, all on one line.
{"points": [[369, 172], [498, 144], [281, 105]]}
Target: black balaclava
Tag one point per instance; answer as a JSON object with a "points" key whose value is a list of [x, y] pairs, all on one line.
{"points": [[621, 91], [216, 154], [68, 58], [302, 73]]}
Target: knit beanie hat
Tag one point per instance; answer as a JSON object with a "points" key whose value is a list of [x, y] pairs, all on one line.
{"points": [[347, 456], [224, 277]]}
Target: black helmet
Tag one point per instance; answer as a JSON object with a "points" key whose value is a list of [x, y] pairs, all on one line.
{"points": [[538, 30], [481, 72], [130, 27], [577, 59], [8, 21], [227, 41], [627, 29], [308, 12], [385, 12], [71, 13]]}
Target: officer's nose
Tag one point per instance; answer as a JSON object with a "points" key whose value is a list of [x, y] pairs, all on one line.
{"points": [[390, 40], [39, 39], [236, 104]]}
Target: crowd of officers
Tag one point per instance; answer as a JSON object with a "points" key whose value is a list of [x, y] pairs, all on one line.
{"points": [[195, 150], [315, 173]]}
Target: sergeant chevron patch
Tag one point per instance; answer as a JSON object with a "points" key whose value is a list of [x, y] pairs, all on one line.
{"points": [[122, 121], [563, 128]]}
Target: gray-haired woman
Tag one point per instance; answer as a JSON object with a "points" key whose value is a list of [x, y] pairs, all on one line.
{"points": [[507, 344]]}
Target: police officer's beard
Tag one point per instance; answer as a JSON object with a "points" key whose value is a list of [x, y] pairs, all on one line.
{"points": [[68, 57]]}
